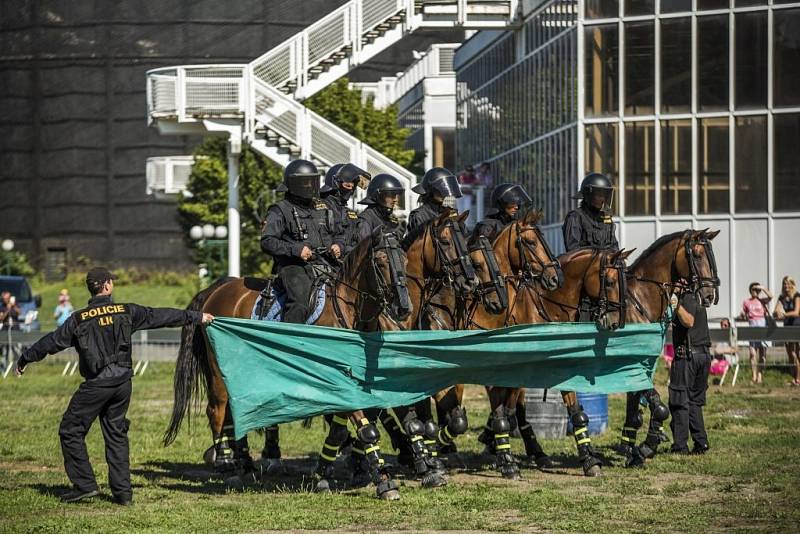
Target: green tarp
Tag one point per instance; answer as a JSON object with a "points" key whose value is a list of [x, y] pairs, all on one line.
{"points": [[278, 372]]}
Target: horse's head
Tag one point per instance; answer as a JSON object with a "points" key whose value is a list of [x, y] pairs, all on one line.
{"points": [[386, 277], [695, 262], [604, 282], [448, 252], [492, 284], [531, 255]]}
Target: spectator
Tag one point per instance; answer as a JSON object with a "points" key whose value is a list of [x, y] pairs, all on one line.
{"points": [[755, 310], [788, 309], [484, 174], [64, 308], [468, 176], [722, 352], [9, 309]]}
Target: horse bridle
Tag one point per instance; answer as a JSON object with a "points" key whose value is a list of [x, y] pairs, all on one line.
{"points": [[497, 282], [604, 305], [696, 280], [462, 259], [528, 273]]}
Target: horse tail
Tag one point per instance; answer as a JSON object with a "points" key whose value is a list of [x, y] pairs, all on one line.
{"points": [[192, 369]]}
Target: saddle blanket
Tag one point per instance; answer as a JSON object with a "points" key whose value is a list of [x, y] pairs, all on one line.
{"points": [[278, 298]]}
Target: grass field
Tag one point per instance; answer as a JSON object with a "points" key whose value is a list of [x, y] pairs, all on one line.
{"points": [[749, 481]]}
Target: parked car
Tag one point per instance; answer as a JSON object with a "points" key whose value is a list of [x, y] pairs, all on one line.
{"points": [[28, 303]]}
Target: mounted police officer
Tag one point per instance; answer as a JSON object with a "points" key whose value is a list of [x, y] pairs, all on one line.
{"points": [[507, 199], [101, 334], [299, 233], [341, 181], [436, 185], [590, 225], [383, 196]]}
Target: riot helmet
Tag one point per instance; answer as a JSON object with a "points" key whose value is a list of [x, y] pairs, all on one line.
{"points": [[380, 188], [300, 179], [596, 188], [505, 195], [342, 173], [439, 180]]}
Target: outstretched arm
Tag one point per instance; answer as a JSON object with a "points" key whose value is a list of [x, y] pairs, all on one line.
{"points": [[56, 341]]}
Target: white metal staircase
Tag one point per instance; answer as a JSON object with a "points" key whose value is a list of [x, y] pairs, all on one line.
{"points": [[262, 97]]}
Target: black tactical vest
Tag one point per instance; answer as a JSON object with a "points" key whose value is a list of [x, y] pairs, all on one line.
{"points": [[313, 226], [104, 336]]}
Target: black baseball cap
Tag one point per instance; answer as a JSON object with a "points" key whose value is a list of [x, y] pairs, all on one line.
{"points": [[99, 275]]}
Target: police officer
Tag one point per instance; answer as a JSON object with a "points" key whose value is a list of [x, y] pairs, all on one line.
{"points": [[101, 334], [590, 225], [507, 200], [298, 233], [436, 185], [340, 183], [383, 196], [688, 376]]}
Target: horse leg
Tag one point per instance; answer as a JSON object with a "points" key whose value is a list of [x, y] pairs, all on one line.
{"points": [[367, 437], [427, 469], [425, 414], [452, 418], [222, 457], [580, 428], [399, 440], [533, 449], [633, 422], [271, 453], [487, 435], [360, 475], [503, 423], [337, 436], [655, 431]]}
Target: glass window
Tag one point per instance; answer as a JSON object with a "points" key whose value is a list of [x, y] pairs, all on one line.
{"points": [[639, 68], [676, 65], [712, 165], [745, 3], [600, 153], [602, 9], [786, 57], [712, 4], [676, 167], [751, 60], [602, 70], [640, 7], [787, 162], [712, 63], [675, 6], [751, 164], [640, 163]]}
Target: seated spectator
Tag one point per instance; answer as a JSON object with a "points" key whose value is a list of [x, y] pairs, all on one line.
{"points": [[468, 176], [64, 308], [484, 174], [788, 309], [754, 310]]}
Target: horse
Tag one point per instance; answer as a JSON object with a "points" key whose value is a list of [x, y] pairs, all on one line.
{"points": [[651, 279], [596, 273], [369, 287]]}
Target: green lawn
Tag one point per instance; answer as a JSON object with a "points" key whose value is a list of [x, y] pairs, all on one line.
{"points": [[749, 482]]}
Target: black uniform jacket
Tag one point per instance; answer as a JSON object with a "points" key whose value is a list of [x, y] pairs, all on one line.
{"points": [[345, 220], [375, 216], [491, 226], [101, 334], [423, 214], [587, 227]]}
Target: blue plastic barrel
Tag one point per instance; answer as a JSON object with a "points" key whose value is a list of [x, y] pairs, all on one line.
{"points": [[596, 407]]}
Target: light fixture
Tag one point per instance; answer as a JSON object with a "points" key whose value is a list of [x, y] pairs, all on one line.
{"points": [[8, 245], [221, 232], [208, 231], [196, 233]]}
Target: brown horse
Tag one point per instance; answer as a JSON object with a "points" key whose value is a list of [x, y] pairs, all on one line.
{"points": [[597, 274], [369, 288], [652, 278]]}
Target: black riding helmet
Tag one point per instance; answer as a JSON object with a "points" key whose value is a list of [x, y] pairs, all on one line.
{"points": [[344, 172], [594, 182], [380, 184], [505, 195], [301, 179], [440, 180]]}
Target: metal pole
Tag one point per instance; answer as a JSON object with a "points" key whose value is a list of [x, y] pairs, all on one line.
{"points": [[234, 225]]}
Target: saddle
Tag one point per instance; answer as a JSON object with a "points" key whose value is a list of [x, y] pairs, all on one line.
{"points": [[271, 301]]}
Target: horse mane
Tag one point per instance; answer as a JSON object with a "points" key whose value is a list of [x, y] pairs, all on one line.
{"points": [[657, 244], [415, 234], [569, 256], [356, 256]]}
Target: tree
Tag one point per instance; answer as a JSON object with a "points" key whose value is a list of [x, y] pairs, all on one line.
{"points": [[207, 201]]}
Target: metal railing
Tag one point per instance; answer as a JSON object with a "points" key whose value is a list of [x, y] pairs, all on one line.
{"points": [[188, 92], [168, 174]]}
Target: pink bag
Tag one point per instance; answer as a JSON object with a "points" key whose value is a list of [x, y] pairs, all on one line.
{"points": [[718, 367]]}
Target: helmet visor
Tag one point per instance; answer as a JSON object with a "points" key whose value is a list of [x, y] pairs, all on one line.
{"points": [[353, 174], [447, 186], [303, 186], [515, 196], [598, 194], [389, 198]]}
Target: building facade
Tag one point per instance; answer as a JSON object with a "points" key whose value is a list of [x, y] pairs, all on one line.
{"points": [[691, 106]]}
